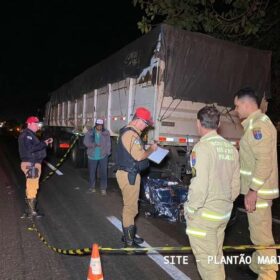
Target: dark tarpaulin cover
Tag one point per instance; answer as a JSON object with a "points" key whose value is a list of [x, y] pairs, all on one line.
{"points": [[197, 67], [128, 62], [204, 69], [165, 198]]}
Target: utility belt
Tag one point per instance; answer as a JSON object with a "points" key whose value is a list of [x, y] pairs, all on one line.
{"points": [[131, 174]]}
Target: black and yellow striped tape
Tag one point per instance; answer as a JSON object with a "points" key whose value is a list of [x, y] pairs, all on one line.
{"points": [[144, 250], [62, 159], [73, 252]]}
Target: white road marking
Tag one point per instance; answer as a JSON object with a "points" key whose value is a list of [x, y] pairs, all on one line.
{"points": [[274, 220], [170, 269], [53, 168]]}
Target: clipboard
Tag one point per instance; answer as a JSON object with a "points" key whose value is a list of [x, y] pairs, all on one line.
{"points": [[158, 155]]}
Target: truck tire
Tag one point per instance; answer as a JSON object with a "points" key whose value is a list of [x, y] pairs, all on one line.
{"points": [[174, 163], [55, 147], [78, 157]]}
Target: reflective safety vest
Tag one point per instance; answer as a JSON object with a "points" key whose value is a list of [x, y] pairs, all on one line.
{"points": [[258, 156]]}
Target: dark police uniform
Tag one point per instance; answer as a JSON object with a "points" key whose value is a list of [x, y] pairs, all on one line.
{"points": [[32, 151]]}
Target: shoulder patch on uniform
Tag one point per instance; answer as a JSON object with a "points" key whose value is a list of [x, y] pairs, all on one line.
{"points": [[193, 159], [257, 133], [29, 137]]}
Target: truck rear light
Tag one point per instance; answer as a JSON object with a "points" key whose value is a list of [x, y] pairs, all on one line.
{"points": [[120, 118], [183, 140], [64, 145], [166, 139], [235, 143]]}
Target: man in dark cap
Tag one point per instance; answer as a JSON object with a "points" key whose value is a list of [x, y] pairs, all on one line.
{"points": [[131, 160], [32, 151]]}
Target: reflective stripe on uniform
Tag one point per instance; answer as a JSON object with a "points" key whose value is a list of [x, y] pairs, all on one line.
{"points": [[268, 192], [190, 210], [264, 118], [215, 216], [251, 124], [196, 232], [262, 205], [257, 181], [245, 172]]}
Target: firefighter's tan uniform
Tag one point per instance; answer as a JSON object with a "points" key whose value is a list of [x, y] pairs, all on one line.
{"points": [[130, 193], [211, 194], [259, 172]]}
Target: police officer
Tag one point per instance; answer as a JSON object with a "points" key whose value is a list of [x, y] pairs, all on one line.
{"points": [[131, 160], [259, 177], [214, 187], [32, 151]]}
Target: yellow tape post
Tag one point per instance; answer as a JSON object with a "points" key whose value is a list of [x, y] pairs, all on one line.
{"points": [[62, 159], [146, 250]]}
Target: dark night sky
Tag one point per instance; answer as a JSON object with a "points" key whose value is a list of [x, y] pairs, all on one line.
{"points": [[47, 43]]}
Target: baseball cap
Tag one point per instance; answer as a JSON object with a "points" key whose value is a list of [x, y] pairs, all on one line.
{"points": [[99, 121], [32, 119], [145, 115]]}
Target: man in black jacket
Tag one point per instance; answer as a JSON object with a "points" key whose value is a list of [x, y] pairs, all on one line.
{"points": [[32, 151]]}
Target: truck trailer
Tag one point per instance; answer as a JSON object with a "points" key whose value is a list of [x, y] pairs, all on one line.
{"points": [[173, 73]]}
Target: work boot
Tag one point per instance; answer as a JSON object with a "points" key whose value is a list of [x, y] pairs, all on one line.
{"points": [[26, 213], [137, 240], [129, 235], [32, 208]]}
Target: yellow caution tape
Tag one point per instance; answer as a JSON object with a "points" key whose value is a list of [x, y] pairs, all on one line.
{"points": [[62, 159], [149, 250], [72, 252]]}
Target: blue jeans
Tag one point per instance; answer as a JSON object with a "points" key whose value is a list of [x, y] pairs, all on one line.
{"points": [[92, 168]]}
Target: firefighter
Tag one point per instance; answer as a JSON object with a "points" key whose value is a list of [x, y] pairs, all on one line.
{"points": [[132, 159], [259, 177], [214, 186], [32, 151]]}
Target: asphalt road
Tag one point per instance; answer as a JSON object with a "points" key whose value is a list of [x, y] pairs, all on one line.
{"points": [[75, 219]]}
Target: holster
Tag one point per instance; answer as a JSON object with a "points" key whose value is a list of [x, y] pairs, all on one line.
{"points": [[131, 177], [32, 172]]}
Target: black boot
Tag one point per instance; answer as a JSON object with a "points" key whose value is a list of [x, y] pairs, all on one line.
{"points": [[32, 208], [137, 240], [129, 235], [27, 212]]}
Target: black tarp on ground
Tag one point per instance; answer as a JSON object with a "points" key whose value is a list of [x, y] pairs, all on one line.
{"points": [[163, 198], [197, 67]]}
